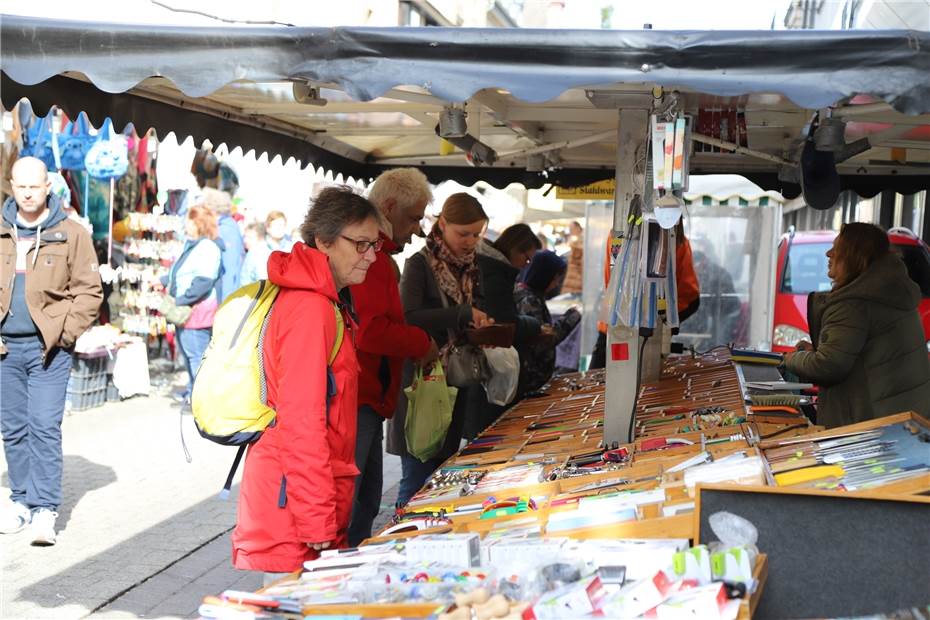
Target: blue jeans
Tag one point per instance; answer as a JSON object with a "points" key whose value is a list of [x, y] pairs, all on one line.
{"points": [[414, 474], [193, 343], [31, 410]]}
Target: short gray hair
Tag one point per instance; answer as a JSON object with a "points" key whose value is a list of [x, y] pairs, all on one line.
{"points": [[333, 209], [219, 202], [408, 187]]}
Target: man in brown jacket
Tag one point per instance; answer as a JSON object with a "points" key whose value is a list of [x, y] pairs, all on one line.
{"points": [[50, 293]]}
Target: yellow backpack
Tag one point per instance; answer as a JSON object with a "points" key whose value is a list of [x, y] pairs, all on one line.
{"points": [[229, 397]]}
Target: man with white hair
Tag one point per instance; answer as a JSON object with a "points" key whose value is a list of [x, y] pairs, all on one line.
{"points": [[50, 293], [384, 339]]}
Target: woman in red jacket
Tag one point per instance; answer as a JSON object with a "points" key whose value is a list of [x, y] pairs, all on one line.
{"points": [[296, 492]]}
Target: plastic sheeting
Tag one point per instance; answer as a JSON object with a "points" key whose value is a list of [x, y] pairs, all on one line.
{"points": [[734, 259], [812, 68]]}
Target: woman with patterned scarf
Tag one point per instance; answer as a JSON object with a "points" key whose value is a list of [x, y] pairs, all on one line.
{"points": [[439, 290]]}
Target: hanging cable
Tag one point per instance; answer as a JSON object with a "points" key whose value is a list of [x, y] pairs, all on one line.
{"points": [[218, 18], [639, 379]]}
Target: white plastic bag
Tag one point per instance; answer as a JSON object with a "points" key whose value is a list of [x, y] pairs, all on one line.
{"points": [[505, 375]]}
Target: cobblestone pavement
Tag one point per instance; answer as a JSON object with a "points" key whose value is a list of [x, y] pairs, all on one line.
{"points": [[142, 532]]}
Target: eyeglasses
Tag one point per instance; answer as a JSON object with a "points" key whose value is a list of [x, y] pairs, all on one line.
{"points": [[363, 245]]}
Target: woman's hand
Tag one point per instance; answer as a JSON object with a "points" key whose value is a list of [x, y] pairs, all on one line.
{"points": [[431, 356], [804, 345], [320, 545], [479, 319]]}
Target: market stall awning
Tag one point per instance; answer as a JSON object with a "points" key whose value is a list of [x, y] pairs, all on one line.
{"points": [[544, 101]]}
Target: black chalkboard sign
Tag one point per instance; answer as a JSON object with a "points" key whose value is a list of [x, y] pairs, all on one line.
{"points": [[831, 554]]}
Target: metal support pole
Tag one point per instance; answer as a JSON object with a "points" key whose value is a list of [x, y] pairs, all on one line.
{"points": [[623, 343]]}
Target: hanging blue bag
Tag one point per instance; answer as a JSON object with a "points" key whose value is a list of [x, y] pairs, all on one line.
{"points": [[37, 140], [108, 158], [74, 143]]}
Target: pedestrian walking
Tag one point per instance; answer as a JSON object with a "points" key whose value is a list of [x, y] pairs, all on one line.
{"points": [[193, 281], [275, 237], [50, 293]]}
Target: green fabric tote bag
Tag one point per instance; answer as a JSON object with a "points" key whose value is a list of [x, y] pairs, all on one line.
{"points": [[429, 412]]}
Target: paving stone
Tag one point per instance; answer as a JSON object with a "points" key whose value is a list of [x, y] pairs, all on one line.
{"points": [[136, 521]]}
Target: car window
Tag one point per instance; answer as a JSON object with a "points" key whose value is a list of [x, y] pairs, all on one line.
{"points": [[917, 260], [806, 269]]}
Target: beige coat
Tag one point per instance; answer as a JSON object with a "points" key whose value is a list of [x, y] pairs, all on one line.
{"points": [[63, 289]]}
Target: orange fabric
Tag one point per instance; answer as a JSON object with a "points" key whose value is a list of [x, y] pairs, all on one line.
{"points": [[601, 325], [685, 277]]}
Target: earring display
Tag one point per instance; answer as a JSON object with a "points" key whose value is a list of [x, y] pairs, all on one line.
{"points": [[154, 241]]}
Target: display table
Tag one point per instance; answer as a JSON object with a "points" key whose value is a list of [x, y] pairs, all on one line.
{"points": [[538, 484]]}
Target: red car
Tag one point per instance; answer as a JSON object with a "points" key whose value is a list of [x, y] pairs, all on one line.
{"points": [[802, 269]]}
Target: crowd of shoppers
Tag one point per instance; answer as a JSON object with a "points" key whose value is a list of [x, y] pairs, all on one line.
{"points": [[348, 332]]}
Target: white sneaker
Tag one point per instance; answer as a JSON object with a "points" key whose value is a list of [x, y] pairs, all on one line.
{"points": [[14, 518], [43, 527]]}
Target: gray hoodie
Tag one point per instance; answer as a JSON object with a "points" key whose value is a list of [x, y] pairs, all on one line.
{"points": [[18, 322]]}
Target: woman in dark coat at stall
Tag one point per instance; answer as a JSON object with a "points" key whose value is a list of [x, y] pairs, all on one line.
{"points": [[537, 359], [499, 263], [870, 357], [447, 267]]}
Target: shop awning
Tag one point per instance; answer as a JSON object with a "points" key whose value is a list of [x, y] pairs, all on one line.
{"points": [[527, 92]]}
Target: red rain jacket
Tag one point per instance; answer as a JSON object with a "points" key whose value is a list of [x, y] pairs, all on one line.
{"points": [[384, 339], [299, 476]]}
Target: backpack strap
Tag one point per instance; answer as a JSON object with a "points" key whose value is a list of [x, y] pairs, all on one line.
{"points": [[340, 335], [330, 375], [224, 494]]}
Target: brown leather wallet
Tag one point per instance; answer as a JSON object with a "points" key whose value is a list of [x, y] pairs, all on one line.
{"points": [[497, 335]]}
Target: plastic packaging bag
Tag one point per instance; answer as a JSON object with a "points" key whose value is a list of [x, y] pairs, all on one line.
{"points": [[429, 412], [505, 375], [734, 532]]}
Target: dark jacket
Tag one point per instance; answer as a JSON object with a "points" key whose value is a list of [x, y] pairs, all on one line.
{"points": [[870, 357], [59, 283], [423, 308], [498, 278], [537, 360], [384, 339]]}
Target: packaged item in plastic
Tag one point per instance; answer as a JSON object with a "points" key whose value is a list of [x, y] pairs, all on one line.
{"points": [[569, 601]]}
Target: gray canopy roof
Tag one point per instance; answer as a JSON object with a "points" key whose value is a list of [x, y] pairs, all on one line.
{"points": [[550, 91]]}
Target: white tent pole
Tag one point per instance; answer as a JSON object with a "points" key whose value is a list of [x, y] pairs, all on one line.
{"points": [[736, 148], [110, 222], [557, 146], [623, 343]]}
